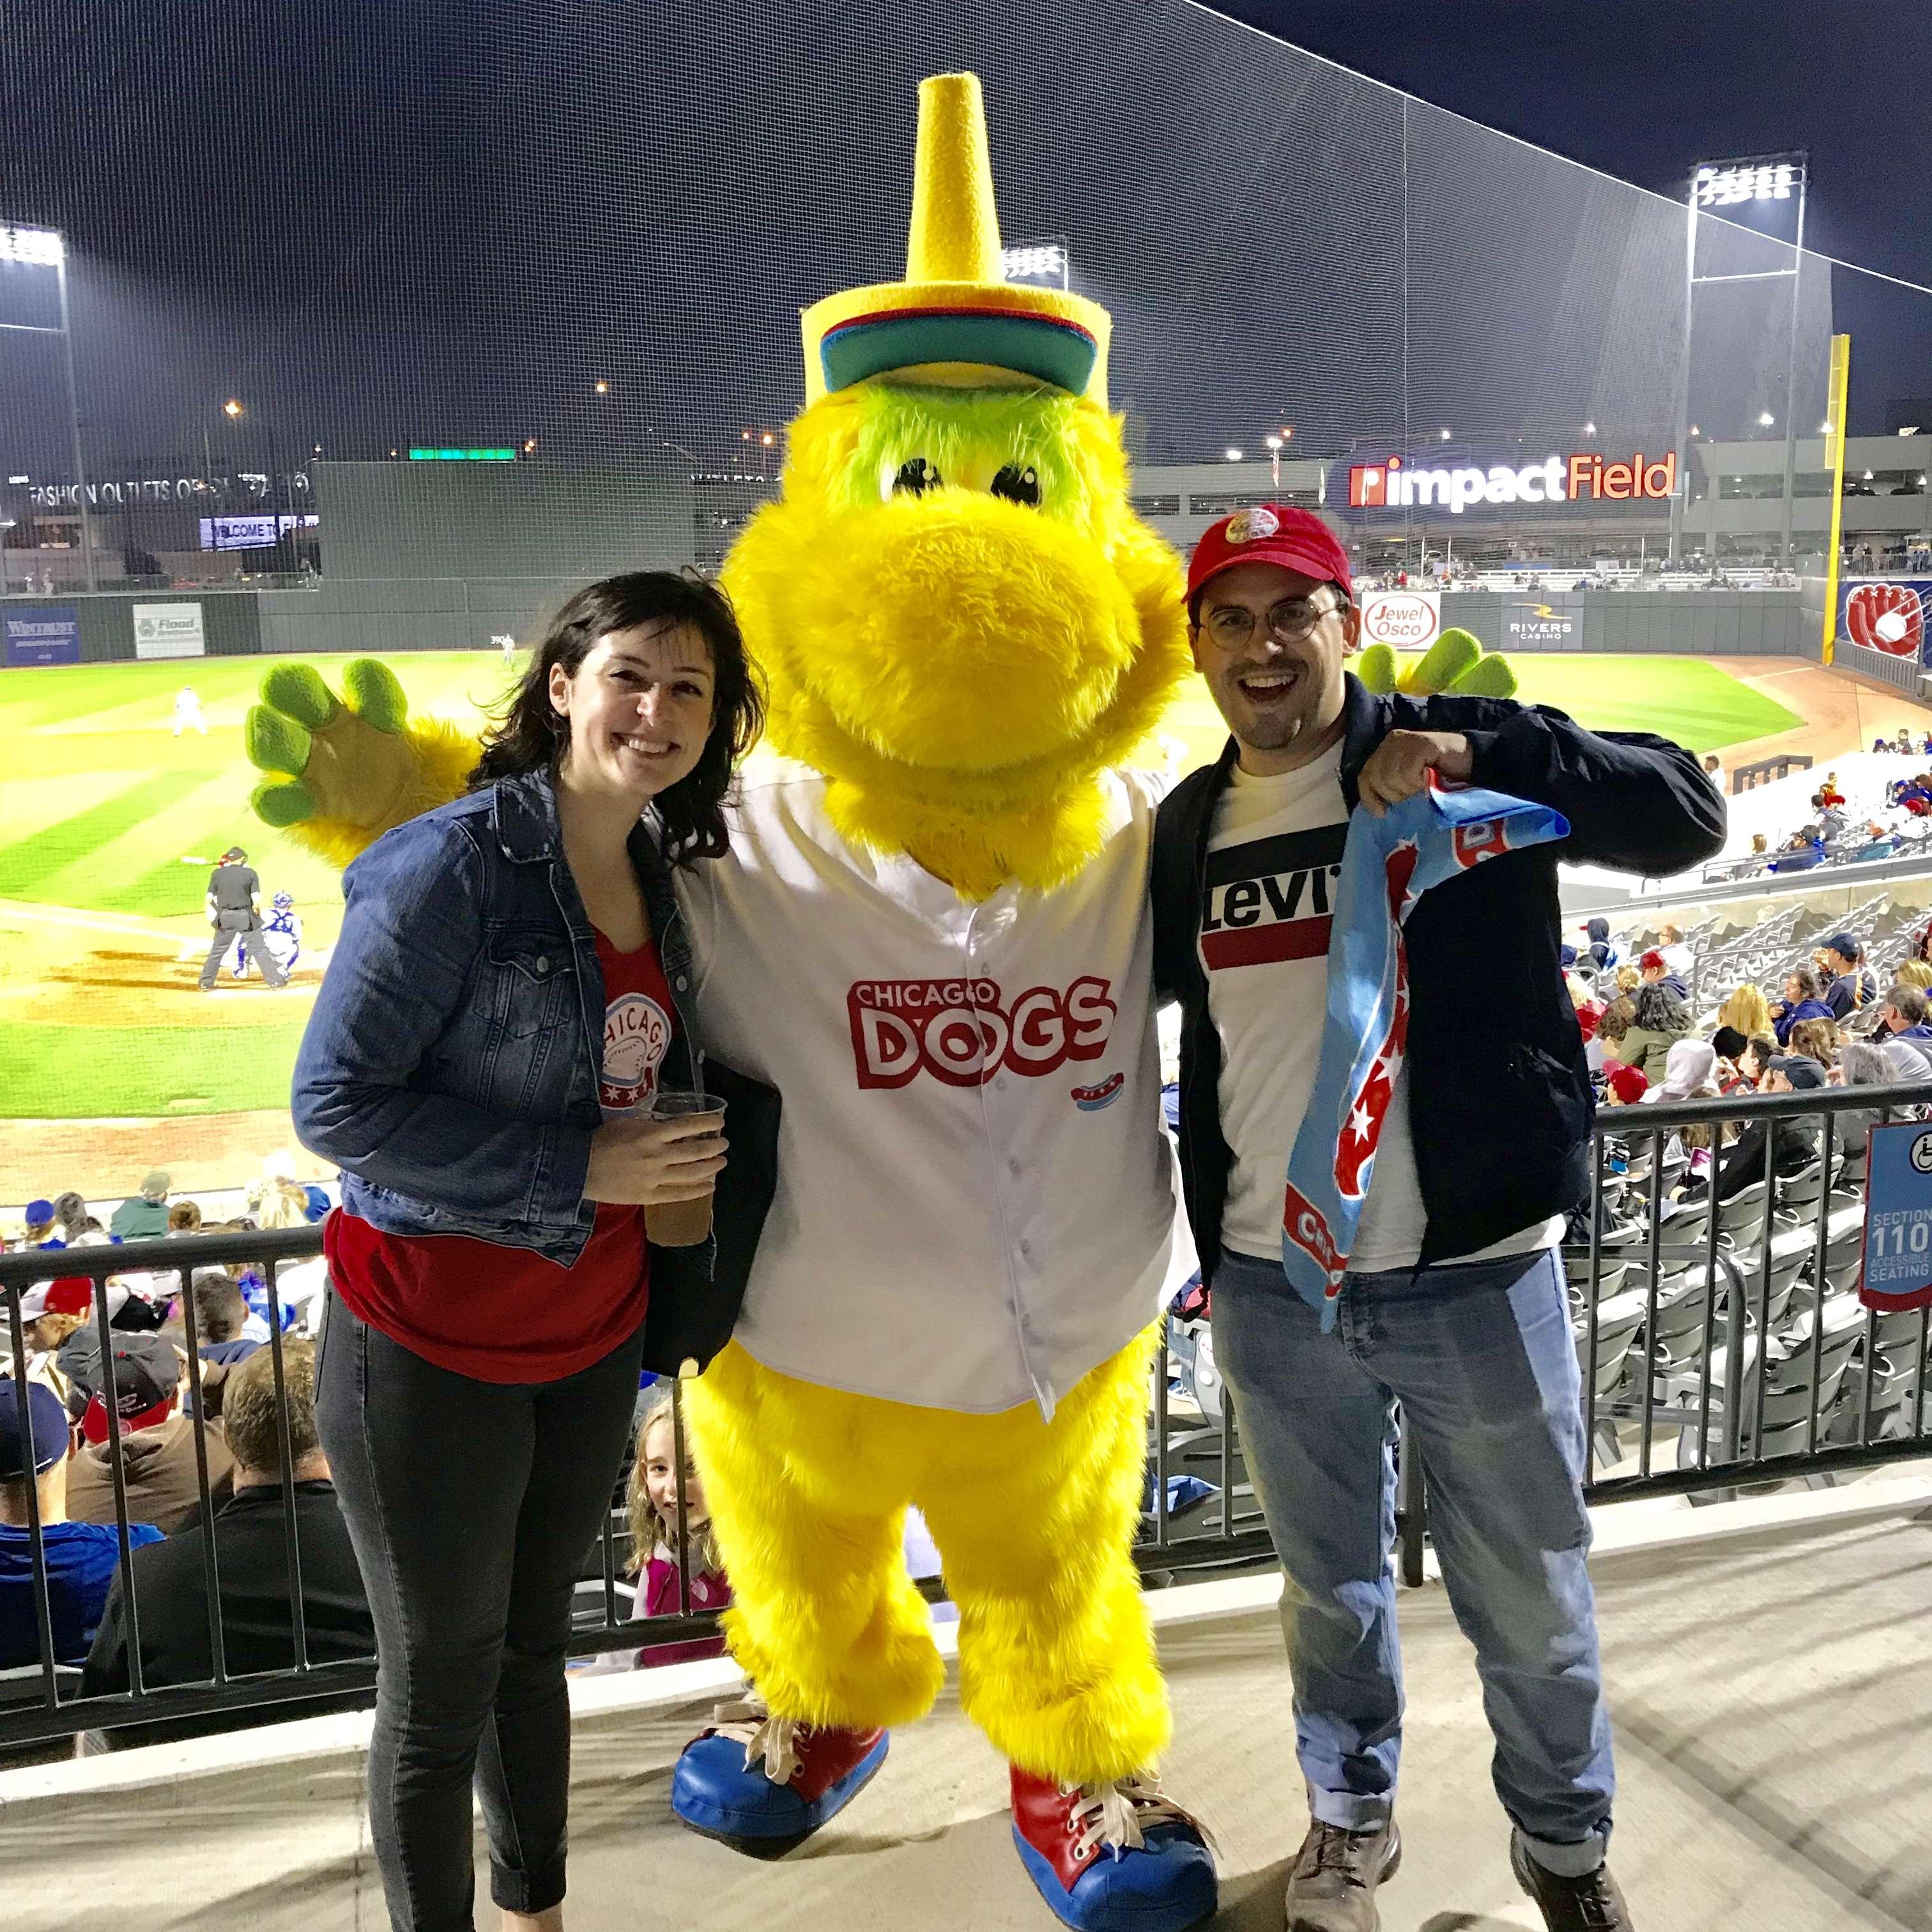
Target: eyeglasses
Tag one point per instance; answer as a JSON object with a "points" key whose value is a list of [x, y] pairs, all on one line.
{"points": [[1232, 626]]}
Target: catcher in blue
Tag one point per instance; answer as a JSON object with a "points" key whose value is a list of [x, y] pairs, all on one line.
{"points": [[281, 933]]}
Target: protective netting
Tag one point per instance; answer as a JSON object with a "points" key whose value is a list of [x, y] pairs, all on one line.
{"points": [[448, 227]]}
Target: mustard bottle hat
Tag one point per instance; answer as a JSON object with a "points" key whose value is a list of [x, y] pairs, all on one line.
{"points": [[954, 319]]}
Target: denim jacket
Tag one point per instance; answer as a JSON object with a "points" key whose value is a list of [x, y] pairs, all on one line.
{"points": [[451, 1066]]}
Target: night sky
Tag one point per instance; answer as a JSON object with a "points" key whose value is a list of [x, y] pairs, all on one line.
{"points": [[380, 224]]}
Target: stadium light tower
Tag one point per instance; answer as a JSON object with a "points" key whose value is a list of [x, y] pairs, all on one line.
{"points": [[1715, 187], [46, 248]]}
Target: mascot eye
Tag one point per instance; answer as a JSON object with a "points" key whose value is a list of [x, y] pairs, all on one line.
{"points": [[916, 476], [1017, 485]]}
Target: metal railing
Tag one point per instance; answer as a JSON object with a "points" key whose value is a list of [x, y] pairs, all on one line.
{"points": [[1719, 1334], [1193, 1435], [1667, 1295]]}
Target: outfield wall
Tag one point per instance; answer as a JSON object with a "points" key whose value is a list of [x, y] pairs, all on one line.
{"points": [[373, 615]]}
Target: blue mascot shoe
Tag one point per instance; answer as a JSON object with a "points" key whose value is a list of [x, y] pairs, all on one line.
{"points": [[1117, 1858], [763, 1783]]}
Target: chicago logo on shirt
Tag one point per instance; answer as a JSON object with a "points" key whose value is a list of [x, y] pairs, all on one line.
{"points": [[963, 1032], [1271, 899], [637, 1033]]}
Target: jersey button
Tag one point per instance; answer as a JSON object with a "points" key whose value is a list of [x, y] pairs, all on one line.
{"points": [[682, 983], [543, 962]]}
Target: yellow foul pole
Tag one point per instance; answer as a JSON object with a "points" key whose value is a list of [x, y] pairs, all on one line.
{"points": [[1834, 457]]}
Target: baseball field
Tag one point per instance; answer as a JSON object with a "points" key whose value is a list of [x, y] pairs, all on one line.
{"points": [[112, 822]]}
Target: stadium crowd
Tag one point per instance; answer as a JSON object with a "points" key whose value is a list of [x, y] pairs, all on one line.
{"points": [[182, 1478]]}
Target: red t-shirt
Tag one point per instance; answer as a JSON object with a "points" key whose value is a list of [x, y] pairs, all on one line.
{"points": [[508, 1315]]}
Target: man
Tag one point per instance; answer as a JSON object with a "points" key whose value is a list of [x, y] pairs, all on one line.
{"points": [[1852, 985], [80, 1557], [234, 905], [158, 1455], [1676, 955], [188, 711], [251, 1550], [1904, 1033], [1453, 1303], [1713, 771], [145, 1217], [1654, 970]]}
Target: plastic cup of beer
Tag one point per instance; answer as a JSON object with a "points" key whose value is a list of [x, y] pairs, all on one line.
{"points": [[683, 1224]]}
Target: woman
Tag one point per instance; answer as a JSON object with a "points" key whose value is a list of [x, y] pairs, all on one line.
{"points": [[503, 1003], [1747, 1010], [1661, 1019], [1802, 1001]]}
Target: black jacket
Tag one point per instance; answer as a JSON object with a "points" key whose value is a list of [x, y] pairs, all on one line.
{"points": [[258, 1633], [1499, 1092]]}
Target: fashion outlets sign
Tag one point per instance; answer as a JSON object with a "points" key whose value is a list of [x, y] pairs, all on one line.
{"points": [[1395, 485]]}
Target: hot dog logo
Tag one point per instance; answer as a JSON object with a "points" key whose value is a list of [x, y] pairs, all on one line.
{"points": [[964, 1032]]}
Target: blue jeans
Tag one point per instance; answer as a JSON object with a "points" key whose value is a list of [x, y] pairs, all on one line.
{"points": [[1480, 1356]]}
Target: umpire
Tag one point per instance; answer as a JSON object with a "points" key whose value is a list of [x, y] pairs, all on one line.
{"points": [[235, 907]]}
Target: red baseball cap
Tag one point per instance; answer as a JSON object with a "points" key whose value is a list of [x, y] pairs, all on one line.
{"points": [[1271, 533]]}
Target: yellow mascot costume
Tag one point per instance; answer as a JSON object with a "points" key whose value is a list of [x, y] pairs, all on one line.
{"points": [[930, 935]]}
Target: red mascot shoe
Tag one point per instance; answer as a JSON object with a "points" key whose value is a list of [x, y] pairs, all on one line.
{"points": [[1113, 1858]]}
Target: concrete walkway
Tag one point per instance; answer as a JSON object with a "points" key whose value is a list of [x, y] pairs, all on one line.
{"points": [[1774, 1715]]}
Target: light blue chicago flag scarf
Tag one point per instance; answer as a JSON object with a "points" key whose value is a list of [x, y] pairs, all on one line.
{"points": [[1387, 864]]}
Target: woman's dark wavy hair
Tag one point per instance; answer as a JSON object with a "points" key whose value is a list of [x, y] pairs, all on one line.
{"points": [[530, 734]]}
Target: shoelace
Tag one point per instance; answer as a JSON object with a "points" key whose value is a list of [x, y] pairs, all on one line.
{"points": [[1594, 1906], [1338, 1850], [1116, 1815], [747, 1721]]}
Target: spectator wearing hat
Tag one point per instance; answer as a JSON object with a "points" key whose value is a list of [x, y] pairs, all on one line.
{"points": [[38, 1228], [1453, 1300], [1624, 1086], [1596, 931], [80, 1557], [1743, 1161], [1853, 986], [1730, 1045], [145, 1216], [1655, 969], [157, 1454], [251, 1550]]}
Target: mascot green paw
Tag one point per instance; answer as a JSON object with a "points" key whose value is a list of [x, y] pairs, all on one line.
{"points": [[342, 770], [1455, 664]]}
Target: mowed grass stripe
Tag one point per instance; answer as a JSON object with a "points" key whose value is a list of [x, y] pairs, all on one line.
{"points": [[59, 1072], [28, 863], [211, 815]]}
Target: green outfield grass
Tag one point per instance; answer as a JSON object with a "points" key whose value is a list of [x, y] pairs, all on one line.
{"points": [[106, 812], [105, 807]]}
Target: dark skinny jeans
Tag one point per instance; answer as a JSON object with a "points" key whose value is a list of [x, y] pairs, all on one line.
{"points": [[471, 1506]]}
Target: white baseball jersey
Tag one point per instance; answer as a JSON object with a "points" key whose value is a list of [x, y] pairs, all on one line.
{"points": [[975, 1201]]}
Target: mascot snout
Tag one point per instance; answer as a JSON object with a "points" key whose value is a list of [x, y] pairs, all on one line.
{"points": [[960, 633]]}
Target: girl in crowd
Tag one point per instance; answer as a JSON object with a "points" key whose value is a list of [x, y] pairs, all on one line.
{"points": [[1661, 1019], [508, 993], [652, 1504], [1801, 1001], [1815, 1039]]}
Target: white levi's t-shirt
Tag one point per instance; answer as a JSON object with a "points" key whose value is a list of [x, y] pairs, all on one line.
{"points": [[1274, 859]]}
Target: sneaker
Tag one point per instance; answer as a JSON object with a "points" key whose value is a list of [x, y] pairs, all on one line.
{"points": [[1157, 1874], [763, 1783], [1591, 1903], [1332, 1888]]}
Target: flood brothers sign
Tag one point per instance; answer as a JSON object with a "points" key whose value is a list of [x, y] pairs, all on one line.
{"points": [[1584, 475]]}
